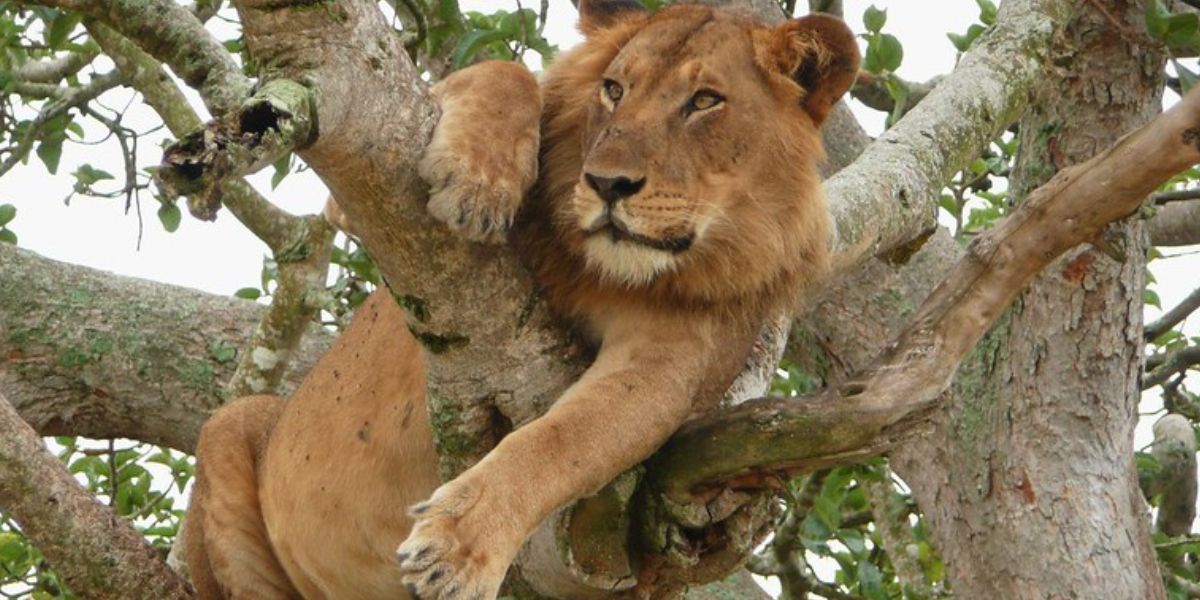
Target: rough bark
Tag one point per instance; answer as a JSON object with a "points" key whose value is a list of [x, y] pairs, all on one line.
{"points": [[1036, 455], [98, 553], [85, 352]]}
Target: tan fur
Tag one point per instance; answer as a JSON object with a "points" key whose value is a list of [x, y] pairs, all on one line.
{"points": [[727, 227]]}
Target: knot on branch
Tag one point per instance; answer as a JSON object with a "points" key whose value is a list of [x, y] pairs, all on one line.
{"points": [[278, 118]]}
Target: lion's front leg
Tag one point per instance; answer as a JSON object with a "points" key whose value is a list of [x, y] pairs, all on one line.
{"points": [[483, 157], [638, 392]]}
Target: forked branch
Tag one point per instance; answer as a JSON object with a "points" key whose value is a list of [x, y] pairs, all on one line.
{"points": [[754, 444]]}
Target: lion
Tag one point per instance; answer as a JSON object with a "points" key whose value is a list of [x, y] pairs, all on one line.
{"points": [[661, 185]]}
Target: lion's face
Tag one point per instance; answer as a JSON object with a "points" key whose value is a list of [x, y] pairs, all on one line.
{"points": [[680, 148]]}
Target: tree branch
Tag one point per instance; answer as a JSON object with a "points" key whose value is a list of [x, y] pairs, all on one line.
{"points": [[887, 199], [98, 553], [748, 444], [1170, 365], [1173, 317], [1176, 224], [174, 35], [85, 352], [54, 70], [1175, 449], [72, 98], [871, 91]]}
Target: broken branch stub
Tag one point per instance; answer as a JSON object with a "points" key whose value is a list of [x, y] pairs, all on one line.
{"points": [[278, 118]]}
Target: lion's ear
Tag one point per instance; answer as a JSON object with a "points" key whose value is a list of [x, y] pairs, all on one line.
{"points": [[600, 14], [818, 52]]}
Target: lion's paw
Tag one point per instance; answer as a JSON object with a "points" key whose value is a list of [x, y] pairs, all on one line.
{"points": [[450, 554], [477, 191]]}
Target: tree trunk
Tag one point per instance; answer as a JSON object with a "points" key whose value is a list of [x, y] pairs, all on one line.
{"points": [[1029, 481]]}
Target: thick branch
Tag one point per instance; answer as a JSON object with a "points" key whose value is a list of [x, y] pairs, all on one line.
{"points": [[99, 554], [1176, 224], [85, 352], [277, 119], [888, 197], [1175, 449], [749, 444], [1174, 316]]}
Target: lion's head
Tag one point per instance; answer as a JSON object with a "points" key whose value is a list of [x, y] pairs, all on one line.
{"points": [[680, 148]]}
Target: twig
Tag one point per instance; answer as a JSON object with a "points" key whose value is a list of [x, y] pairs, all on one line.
{"points": [[1173, 317], [76, 98]]}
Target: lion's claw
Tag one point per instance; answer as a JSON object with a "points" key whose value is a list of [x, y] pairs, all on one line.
{"points": [[444, 557]]}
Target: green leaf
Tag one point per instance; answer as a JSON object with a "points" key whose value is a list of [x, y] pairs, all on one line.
{"points": [[7, 213], [891, 53], [283, 166], [1156, 20], [963, 42], [8, 237], [50, 151], [471, 44], [1187, 78], [1182, 30], [249, 293], [870, 581], [170, 216], [1150, 298], [987, 12], [87, 175], [61, 29], [874, 19], [899, 93]]}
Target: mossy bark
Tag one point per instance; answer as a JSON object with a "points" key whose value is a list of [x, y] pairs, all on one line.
{"points": [[85, 352], [1036, 454]]}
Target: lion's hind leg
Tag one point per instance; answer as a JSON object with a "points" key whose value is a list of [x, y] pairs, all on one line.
{"points": [[228, 552]]}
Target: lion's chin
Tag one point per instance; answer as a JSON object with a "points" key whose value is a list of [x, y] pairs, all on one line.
{"points": [[626, 262]]}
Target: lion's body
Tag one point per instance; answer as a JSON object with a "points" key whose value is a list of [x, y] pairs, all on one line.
{"points": [[666, 223], [352, 447]]}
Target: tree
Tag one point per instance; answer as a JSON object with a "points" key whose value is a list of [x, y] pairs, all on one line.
{"points": [[1009, 456]]}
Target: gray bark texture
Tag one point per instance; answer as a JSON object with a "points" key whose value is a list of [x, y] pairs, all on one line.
{"points": [[1036, 455], [85, 352]]}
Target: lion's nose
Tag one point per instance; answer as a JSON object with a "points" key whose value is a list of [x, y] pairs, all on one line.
{"points": [[614, 189]]}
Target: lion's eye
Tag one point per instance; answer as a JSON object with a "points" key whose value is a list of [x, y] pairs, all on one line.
{"points": [[703, 100], [613, 91]]}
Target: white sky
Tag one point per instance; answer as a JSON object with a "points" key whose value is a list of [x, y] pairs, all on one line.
{"points": [[222, 257]]}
